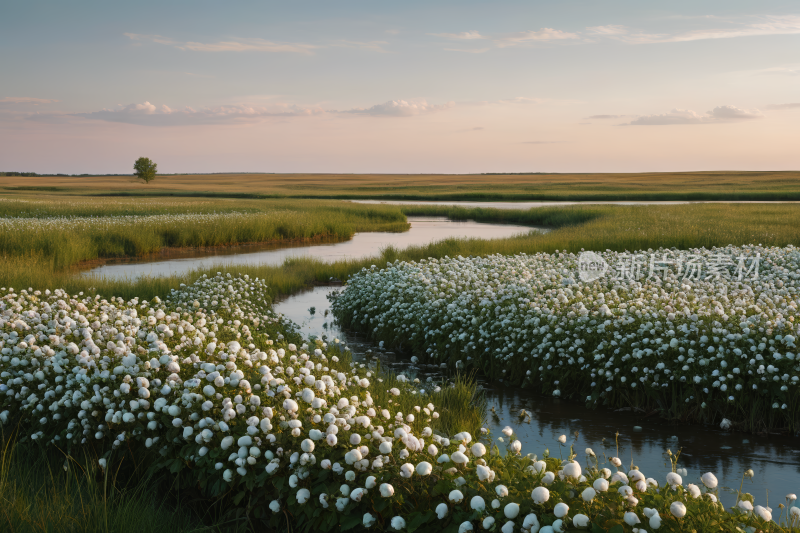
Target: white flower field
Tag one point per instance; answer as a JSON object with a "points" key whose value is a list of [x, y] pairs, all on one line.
{"points": [[702, 349], [206, 384]]}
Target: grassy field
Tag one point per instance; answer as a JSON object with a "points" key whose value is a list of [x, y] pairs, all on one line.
{"points": [[732, 185], [616, 228]]}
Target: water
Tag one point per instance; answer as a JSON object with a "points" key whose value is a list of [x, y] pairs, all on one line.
{"points": [[774, 459], [423, 230], [530, 205]]}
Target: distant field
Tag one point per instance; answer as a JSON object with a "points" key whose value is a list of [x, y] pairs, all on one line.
{"points": [[720, 185]]}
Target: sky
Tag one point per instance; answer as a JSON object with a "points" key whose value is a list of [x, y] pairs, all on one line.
{"points": [[400, 87]]}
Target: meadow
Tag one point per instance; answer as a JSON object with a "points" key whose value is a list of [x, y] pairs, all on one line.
{"points": [[731, 185], [47, 240]]}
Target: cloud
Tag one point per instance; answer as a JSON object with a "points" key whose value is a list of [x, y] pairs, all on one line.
{"points": [[542, 35], [392, 32], [147, 114], [238, 45], [25, 100], [463, 36], [784, 106], [401, 108], [766, 25], [725, 113], [605, 116]]}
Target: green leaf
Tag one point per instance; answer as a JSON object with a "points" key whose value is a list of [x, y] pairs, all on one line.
{"points": [[350, 520], [597, 529], [616, 529], [418, 520]]}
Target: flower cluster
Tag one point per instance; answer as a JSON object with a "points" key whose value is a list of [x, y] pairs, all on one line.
{"points": [[208, 379], [718, 342]]}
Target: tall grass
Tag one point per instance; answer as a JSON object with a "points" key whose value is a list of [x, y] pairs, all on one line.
{"points": [[45, 491], [64, 241], [616, 228]]}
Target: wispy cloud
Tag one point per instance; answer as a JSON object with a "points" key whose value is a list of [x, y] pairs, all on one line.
{"points": [[760, 26], [149, 114], [401, 108], [784, 106], [602, 117], [25, 100], [527, 37], [463, 36], [725, 113], [236, 45]]}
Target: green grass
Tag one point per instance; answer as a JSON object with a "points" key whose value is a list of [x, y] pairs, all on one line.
{"points": [[582, 227], [48, 491]]}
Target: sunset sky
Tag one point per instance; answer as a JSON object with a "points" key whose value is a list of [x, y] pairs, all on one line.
{"points": [[376, 86]]}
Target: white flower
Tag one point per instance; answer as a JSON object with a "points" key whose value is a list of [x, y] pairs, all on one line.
{"points": [[677, 509], [508, 527], [488, 522], [507, 431], [477, 504], [589, 493], [674, 479], [368, 520], [709, 480], [745, 505], [580, 521], [572, 470], [464, 527], [478, 449], [441, 510], [631, 519], [501, 491], [357, 494], [515, 446], [655, 521], [561, 510], [387, 491], [424, 468], [407, 470], [455, 496], [616, 461], [459, 458], [303, 495], [398, 523], [371, 482], [562, 439], [385, 447], [511, 510], [540, 495], [694, 490], [762, 513], [275, 506]]}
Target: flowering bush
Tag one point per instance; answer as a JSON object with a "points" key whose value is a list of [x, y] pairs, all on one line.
{"points": [[206, 378], [711, 348]]}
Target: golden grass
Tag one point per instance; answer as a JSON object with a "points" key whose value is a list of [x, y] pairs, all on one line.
{"points": [[669, 185]]}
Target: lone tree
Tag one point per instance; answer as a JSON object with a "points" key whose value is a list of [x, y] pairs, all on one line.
{"points": [[145, 169]]}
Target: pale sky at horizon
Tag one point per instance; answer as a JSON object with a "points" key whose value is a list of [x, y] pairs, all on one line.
{"points": [[572, 86]]}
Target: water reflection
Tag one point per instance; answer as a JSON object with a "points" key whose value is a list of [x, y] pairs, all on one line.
{"points": [[774, 459], [423, 230]]}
